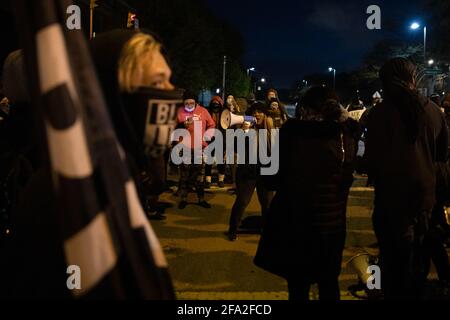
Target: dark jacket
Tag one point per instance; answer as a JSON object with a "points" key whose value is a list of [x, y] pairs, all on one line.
{"points": [[312, 189], [404, 173]]}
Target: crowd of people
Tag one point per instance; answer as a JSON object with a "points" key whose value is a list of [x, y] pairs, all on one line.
{"points": [[303, 206]]}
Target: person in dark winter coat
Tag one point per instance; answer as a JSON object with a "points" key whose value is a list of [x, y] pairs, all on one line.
{"points": [[215, 110], [304, 235], [406, 136], [446, 106], [439, 229], [18, 146]]}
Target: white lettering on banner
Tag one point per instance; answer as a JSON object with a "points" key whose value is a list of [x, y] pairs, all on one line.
{"points": [[160, 122]]}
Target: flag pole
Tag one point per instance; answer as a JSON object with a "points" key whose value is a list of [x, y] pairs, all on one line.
{"points": [[91, 18]]}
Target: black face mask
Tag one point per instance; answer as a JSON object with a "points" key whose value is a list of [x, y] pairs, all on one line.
{"points": [[153, 115], [215, 107]]}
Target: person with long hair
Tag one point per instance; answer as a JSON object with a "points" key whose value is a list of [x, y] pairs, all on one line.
{"points": [[276, 112], [406, 137], [276, 109], [232, 105], [307, 218]]}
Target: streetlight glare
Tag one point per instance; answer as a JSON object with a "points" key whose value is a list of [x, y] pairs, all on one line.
{"points": [[431, 62], [415, 26], [263, 80], [330, 69]]}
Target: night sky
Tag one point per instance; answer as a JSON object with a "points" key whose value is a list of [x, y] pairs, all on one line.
{"points": [[287, 39]]}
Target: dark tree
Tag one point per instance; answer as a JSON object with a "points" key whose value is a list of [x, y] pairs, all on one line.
{"points": [[197, 42]]}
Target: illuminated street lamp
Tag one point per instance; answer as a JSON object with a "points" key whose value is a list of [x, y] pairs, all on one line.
{"points": [[252, 69], [258, 88], [330, 69], [416, 26], [430, 62]]}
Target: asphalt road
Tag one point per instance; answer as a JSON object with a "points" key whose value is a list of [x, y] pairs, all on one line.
{"points": [[205, 265]]}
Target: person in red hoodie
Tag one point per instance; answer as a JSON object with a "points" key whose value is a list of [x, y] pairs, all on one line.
{"points": [[191, 174]]}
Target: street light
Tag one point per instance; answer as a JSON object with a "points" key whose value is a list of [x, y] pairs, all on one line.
{"points": [[258, 88], [415, 26], [305, 82], [430, 62], [252, 69], [330, 69]]}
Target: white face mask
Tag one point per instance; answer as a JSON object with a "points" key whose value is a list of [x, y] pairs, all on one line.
{"points": [[189, 108]]}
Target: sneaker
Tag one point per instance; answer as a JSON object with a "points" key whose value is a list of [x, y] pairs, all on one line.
{"points": [[221, 184], [182, 205], [204, 204], [157, 217], [164, 205], [232, 191]]}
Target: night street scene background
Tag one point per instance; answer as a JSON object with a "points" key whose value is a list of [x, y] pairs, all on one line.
{"points": [[201, 150]]}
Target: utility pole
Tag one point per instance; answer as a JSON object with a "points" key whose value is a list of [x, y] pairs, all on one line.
{"points": [[425, 44], [224, 76]]}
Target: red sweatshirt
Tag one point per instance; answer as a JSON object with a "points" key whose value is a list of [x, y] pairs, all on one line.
{"points": [[199, 115]]}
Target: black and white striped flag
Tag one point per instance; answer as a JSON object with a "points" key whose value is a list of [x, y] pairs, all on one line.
{"points": [[104, 229]]}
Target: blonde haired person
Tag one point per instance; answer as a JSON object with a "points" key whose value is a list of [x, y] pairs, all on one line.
{"points": [[232, 105], [133, 71], [141, 63]]}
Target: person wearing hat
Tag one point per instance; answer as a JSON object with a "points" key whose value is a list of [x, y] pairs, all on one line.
{"points": [[436, 98], [251, 99], [190, 115], [248, 177]]}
